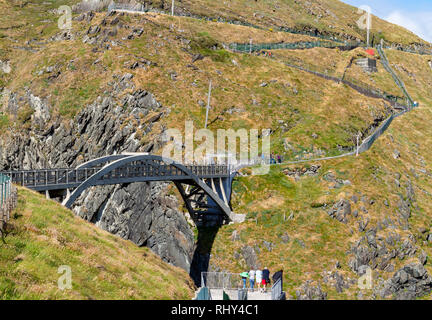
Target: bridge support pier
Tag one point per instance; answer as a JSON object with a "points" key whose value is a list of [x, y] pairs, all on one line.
{"points": [[47, 194], [203, 209]]}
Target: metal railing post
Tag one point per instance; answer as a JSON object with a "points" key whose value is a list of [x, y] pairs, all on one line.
{"points": [[2, 198]]}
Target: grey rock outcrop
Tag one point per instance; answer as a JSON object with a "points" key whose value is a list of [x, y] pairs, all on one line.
{"points": [[41, 110], [142, 213], [340, 211], [249, 255], [410, 282], [308, 291]]}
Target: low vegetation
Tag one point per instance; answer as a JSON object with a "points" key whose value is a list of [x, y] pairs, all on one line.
{"points": [[42, 236]]}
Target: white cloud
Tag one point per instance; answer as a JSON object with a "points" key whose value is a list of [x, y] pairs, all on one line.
{"points": [[418, 22]]}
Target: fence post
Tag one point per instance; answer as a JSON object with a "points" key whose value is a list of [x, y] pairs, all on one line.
{"points": [[1, 192]]}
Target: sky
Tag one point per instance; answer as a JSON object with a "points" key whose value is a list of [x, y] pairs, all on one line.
{"points": [[414, 15]]}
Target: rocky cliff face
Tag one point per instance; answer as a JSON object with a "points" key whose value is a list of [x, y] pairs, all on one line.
{"points": [[144, 214], [140, 212]]}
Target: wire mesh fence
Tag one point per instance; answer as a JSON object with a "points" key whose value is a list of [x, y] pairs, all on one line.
{"points": [[359, 86], [415, 50], [343, 44], [137, 7], [8, 199], [277, 289], [251, 47], [221, 280], [398, 81]]}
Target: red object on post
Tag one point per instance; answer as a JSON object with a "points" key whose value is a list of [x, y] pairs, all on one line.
{"points": [[370, 51]]}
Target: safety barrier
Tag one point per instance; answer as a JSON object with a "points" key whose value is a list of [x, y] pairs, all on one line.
{"points": [[409, 50], [277, 290], [8, 199], [203, 294], [355, 84], [251, 47], [368, 142], [140, 8], [398, 81], [221, 280], [418, 51], [328, 74], [143, 8], [242, 294]]}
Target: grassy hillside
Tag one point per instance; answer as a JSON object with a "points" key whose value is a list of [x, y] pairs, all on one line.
{"points": [[292, 214], [248, 91], [42, 236], [309, 117], [326, 16]]}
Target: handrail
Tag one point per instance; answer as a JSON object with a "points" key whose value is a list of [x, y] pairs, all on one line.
{"points": [[45, 177], [277, 289]]}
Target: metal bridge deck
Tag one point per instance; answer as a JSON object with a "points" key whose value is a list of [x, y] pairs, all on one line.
{"points": [[58, 179]]}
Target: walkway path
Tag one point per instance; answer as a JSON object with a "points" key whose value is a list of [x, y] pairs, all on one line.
{"points": [[133, 9], [389, 69], [369, 141]]}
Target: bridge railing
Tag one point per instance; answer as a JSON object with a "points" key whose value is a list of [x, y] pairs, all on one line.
{"points": [[74, 177], [47, 177]]}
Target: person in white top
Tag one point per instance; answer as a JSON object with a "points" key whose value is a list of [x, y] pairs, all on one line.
{"points": [[258, 277], [252, 279]]}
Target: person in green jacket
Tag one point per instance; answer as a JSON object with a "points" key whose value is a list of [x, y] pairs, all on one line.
{"points": [[244, 276]]}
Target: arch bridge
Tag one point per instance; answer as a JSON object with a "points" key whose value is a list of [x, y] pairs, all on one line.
{"points": [[205, 189]]}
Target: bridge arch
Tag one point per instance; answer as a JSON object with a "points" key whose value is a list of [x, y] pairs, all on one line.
{"points": [[95, 162], [118, 161]]}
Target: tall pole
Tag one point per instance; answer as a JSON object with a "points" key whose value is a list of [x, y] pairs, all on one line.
{"points": [[208, 104], [172, 8], [358, 137], [368, 28]]}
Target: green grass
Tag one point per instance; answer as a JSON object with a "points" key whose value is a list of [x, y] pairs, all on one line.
{"points": [[42, 236]]}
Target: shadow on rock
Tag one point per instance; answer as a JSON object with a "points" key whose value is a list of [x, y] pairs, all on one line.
{"points": [[201, 257]]}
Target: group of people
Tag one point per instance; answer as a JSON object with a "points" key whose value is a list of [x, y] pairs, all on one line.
{"points": [[274, 158], [265, 53], [258, 277]]}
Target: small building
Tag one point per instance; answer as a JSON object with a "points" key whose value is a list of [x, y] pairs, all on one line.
{"points": [[367, 64]]}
